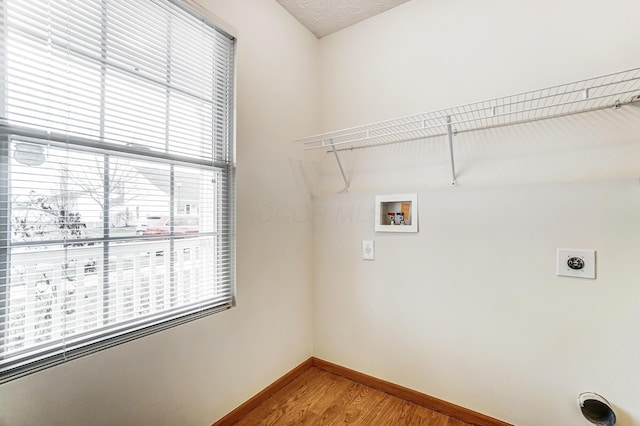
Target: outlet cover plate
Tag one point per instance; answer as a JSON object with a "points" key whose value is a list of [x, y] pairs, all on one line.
{"points": [[577, 263]]}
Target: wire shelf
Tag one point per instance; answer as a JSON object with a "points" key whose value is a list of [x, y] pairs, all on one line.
{"points": [[607, 91]]}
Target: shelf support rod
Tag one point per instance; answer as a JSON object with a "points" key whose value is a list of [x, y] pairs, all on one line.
{"points": [[453, 164], [344, 177]]}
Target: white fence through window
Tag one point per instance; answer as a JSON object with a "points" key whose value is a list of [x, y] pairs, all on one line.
{"points": [[55, 293]]}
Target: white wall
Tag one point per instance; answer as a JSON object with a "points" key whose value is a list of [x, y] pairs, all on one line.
{"points": [[195, 373], [469, 309]]}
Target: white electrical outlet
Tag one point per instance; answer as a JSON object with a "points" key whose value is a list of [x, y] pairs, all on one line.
{"points": [[368, 252], [577, 263]]}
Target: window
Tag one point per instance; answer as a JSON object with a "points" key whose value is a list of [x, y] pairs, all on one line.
{"points": [[116, 175]]}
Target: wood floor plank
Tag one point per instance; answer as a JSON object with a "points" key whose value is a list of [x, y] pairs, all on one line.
{"points": [[320, 398], [337, 412], [293, 394], [373, 408], [406, 412], [399, 412], [326, 406], [360, 403], [421, 417]]}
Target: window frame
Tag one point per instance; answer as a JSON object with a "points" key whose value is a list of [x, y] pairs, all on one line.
{"points": [[136, 328]]}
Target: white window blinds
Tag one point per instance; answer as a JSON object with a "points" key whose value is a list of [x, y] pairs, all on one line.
{"points": [[116, 174]]}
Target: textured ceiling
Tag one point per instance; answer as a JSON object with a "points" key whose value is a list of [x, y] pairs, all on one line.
{"points": [[323, 17]]}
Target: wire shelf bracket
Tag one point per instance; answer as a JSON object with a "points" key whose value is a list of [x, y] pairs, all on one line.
{"points": [[451, 156], [607, 91], [344, 177]]}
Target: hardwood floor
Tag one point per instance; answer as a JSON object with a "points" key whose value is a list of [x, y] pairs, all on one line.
{"points": [[317, 397]]}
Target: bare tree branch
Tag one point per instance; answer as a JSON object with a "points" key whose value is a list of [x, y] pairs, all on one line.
{"points": [[121, 183]]}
